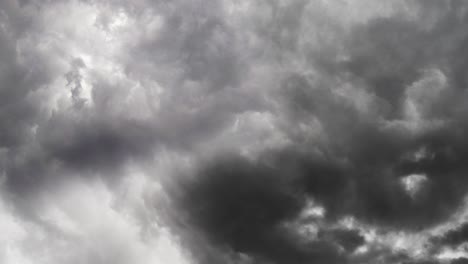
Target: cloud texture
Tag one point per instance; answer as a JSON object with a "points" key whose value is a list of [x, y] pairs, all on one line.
{"points": [[270, 132]]}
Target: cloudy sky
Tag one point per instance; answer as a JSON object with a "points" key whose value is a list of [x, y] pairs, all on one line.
{"points": [[233, 132]]}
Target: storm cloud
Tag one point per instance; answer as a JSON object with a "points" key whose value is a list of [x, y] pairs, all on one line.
{"points": [[233, 131]]}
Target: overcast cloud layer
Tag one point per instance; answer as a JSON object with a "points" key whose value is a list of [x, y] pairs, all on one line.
{"points": [[233, 131]]}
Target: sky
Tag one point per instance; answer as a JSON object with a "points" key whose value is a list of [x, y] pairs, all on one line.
{"points": [[233, 132]]}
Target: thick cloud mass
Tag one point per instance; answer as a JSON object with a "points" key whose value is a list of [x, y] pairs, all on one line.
{"points": [[273, 132]]}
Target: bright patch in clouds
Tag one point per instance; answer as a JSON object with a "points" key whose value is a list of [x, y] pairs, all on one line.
{"points": [[413, 183]]}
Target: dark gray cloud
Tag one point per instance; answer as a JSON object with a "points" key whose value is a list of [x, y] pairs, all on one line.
{"points": [[355, 108], [459, 261], [357, 167], [453, 237]]}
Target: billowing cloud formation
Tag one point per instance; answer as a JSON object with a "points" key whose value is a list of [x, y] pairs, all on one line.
{"points": [[233, 131]]}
